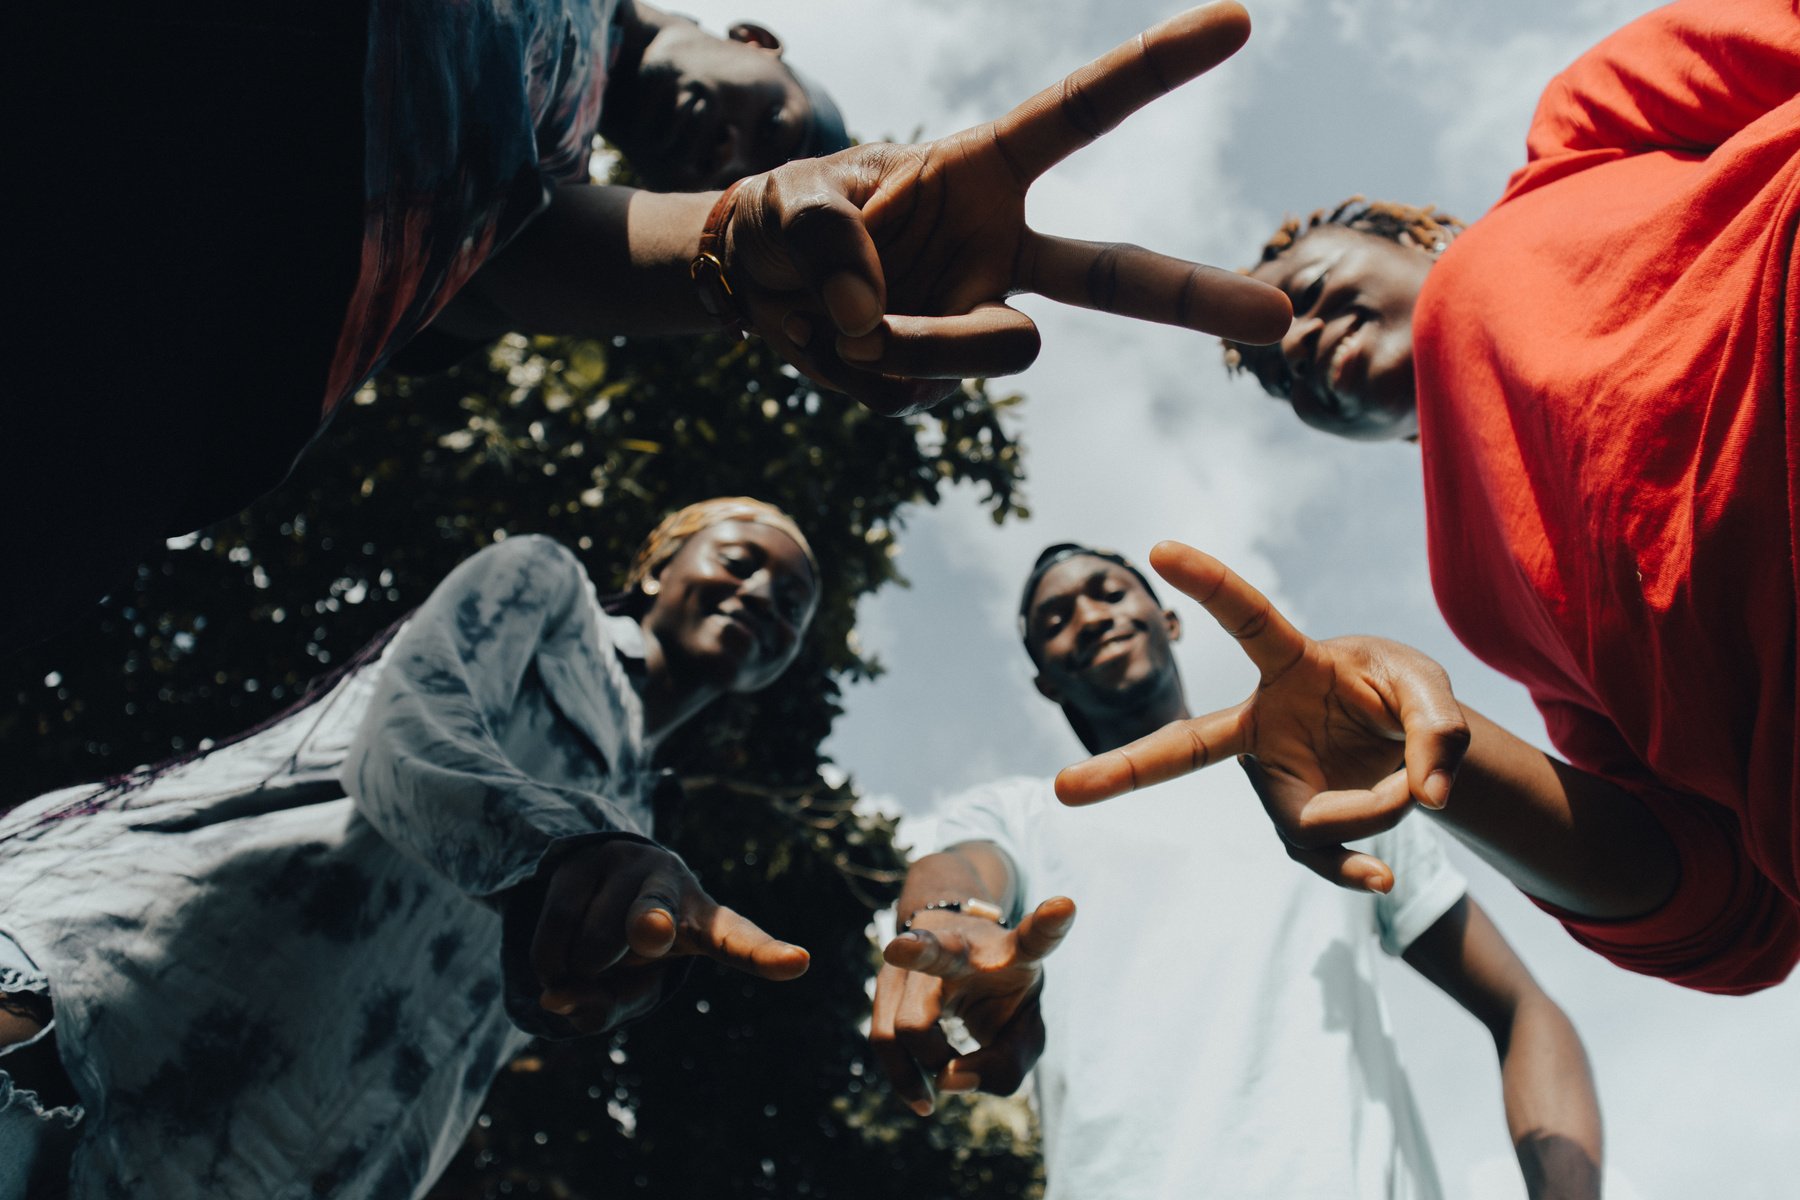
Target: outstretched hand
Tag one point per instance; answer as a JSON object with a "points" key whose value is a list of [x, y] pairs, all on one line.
{"points": [[616, 912], [986, 975], [1340, 737], [883, 271]]}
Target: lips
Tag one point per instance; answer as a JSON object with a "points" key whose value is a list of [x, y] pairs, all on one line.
{"points": [[1099, 650], [1339, 365]]}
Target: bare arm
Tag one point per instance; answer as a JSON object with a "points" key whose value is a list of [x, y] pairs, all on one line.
{"points": [[599, 261], [1342, 737], [1552, 1112], [1565, 836], [884, 271]]}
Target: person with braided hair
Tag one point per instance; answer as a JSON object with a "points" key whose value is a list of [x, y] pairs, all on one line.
{"points": [[1602, 375], [298, 960]]}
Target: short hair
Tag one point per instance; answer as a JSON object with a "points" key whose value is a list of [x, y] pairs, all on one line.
{"points": [[1059, 553], [1406, 224]]}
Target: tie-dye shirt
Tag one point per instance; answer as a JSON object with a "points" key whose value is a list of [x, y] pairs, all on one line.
{"points": [[473, 109], [277, 971]]}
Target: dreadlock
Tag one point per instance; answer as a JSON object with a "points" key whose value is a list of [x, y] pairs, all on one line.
{"points": [[1407, 224]]}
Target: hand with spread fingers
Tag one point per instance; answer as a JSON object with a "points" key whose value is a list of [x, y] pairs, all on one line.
{"points": [[615, 912], [1340, 738], [883, 271], [952, 964]]}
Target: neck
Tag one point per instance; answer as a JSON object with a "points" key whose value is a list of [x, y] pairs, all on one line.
{"points": [[1118, 727], [667, 702]]}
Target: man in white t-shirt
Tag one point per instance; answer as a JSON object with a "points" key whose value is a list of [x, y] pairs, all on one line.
{"points": [[1215, 1028]]}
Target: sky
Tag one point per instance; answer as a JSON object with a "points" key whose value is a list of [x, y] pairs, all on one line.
{"points": [[1134, 434]]}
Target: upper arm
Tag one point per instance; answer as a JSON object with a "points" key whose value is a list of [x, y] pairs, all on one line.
{"points": [[1467, 957]]}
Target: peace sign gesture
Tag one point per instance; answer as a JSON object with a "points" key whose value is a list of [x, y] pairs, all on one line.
{"points": [[1340, 738], [883, 271]]}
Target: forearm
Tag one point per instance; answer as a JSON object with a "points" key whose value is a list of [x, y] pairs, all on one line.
{"points": [[967, 869], [599, 261], [1564, 836], [1552, 1111]]}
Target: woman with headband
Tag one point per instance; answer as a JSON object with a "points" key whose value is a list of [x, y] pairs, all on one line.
{"points": [[298, 959]]}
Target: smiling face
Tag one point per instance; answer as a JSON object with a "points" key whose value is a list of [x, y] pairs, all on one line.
{"points": [[732, 605], [705, 111], [1102, 644], [1346, 364]]}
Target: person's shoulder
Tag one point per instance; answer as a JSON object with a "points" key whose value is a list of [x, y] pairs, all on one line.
{"points": [[1011, 791]]}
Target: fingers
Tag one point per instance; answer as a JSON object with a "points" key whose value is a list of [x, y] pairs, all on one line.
{"points": [[572, 934], [1178, 748], [1000, 1066], [821, 233], [596, 1005], [727, 937], [1437, 732], [1135, 282], [1271, 642], [1310, 819], [1068, 115], [992, 339], [918, 1034], [903, 1073], [1044, 929], [1314, 826], [944, 955], [1350, 869]]}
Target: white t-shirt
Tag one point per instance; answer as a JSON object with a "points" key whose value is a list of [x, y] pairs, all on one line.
{"points": [[1213, 1024]]}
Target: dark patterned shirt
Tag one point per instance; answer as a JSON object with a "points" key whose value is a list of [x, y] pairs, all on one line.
{"points": [[473, 109]]}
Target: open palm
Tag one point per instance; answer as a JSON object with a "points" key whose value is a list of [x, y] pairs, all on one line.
{"points": [[1340, 737]]}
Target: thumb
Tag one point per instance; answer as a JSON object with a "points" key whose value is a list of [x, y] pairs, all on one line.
{"points": [[808, 213], [713, 931], [1044, 928], [650, 924]]}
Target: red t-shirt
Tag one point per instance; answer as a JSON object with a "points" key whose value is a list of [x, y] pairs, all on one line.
{"points": [[1606, 369]]}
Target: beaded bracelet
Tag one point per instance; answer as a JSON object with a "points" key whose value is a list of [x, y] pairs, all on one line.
{"points": [[972, 907]]}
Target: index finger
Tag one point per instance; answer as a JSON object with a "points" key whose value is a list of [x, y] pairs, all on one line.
{"points": [[1272, 643], [1178, 748], [1068, 115], [728, 937]]}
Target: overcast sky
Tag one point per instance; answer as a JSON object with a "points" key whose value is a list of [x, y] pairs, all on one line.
{"points": [[1135, 434]]}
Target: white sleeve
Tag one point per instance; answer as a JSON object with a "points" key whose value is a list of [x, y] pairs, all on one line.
{"points": [[427, 767], [1426, 885], [1002, 813]]}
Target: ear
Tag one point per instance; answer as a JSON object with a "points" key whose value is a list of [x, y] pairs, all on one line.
{"points": [[754, 35], [1046, 689], [1172, 623]]}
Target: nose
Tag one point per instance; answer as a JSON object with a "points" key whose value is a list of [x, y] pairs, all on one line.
{"points": [[1300, 344], [731, 155], [1092, 619]]}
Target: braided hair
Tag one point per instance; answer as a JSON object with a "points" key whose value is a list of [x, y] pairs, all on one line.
{"points": [[1406, 224]]}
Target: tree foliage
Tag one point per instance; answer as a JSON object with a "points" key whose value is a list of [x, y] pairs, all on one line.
{"points": [[735, 1088]]}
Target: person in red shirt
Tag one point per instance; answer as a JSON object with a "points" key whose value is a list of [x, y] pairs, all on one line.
{"points": [[1601, 377]]}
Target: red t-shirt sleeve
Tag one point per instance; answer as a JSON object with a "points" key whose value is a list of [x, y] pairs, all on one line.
{"points": [[1684, 77], [1726, 929]]}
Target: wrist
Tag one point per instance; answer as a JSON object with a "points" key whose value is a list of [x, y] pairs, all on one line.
{"points": [[973, 907], [710, 266]]}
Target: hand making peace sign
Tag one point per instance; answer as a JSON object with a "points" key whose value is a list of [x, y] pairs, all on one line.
{"points": [[883, 271], [1340, 737]]}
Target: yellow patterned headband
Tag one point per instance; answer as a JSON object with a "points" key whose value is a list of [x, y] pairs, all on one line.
{"points": [[676, 528]]}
